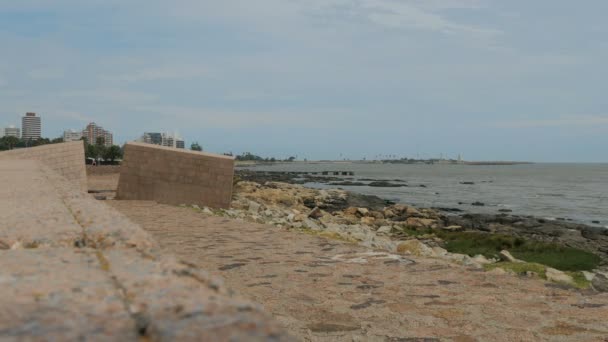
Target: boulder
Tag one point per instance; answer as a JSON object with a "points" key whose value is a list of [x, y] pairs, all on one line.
{"points": [[377, 215], [600, 283], [411, 211], [315, 213], [389, 213], [351, 211], [439, 251], [453, 228], [480, 259], [400, 208], [506, 256], [368, 220], [384, 230], [497, 271], [420, 222], [312, 224], [254, 207], [588, 275], [363, 211], [558, 276], [414, 247]]}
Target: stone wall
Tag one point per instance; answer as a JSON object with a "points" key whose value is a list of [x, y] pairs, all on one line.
{"points": [[75, 269], [66, 159], [173, 176]]}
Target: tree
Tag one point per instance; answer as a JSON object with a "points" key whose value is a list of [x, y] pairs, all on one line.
{"points": [[196, 147], [101, 141], [9, 143], [112, 153], [90, 151], [57, 140]]}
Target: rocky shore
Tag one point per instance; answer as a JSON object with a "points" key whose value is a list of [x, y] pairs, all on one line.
{"points": [[377, 223]]}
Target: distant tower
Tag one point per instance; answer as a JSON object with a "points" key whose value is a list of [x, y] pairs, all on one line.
{"points": [[31, 126]]}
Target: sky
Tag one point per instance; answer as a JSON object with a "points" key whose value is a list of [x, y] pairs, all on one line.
{"points": [[319, 79]]}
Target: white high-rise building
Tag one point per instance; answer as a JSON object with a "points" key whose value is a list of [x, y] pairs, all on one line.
{"points": [[72, 135], [31, 126], [11, 131]]}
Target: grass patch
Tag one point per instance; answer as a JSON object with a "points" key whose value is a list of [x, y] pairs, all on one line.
{"points": [[411, 231], [550, 254], [579, 280], [522, 267], [519, 267]]}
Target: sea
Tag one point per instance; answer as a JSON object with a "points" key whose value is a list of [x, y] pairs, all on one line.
{"points": [[574, 192]]}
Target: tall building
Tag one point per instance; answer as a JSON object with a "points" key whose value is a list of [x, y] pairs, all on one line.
{"points": [[31, 126], [153, 138], [92, 132], [72, 135], [11, 131], [163, 139]]}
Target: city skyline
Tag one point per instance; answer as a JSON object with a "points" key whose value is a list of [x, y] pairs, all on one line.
{"points": [[486, 78]]}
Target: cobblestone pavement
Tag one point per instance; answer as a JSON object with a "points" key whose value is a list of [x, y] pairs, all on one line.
{"points": [[326, 290], [73, 269]]}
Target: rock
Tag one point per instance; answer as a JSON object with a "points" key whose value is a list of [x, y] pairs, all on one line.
{"points": [[411, 211], [315, 213], [363, 211], [420, 223], [207, 211], [389, 213], [480, 259], [600, 283], [384, 230], [506, 256], [254, 207], [291, 217], [368, 221], [498, 271], [453, 228], [351, 211], [558, 276], [468, 261], [588, 275], [299, 218], [312, 224], [377, 215], [414, 247], [439, 251], [478, 204]]}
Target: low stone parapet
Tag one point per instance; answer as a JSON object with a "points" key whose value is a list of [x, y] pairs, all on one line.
{"points": [[66, 159], [174, 176]]}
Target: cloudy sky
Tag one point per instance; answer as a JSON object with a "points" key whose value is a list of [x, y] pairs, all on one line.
{"points": [[491, 79]]}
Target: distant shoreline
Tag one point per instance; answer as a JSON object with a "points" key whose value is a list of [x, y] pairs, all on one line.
{"points": [[402, 162]]}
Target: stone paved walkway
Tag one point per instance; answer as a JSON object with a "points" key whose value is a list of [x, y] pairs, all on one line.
{"points": [[326, 290]]}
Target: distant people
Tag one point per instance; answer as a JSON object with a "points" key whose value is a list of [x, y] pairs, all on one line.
{"points": [[94, 163]]}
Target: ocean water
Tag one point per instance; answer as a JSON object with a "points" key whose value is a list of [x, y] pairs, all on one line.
{"points": [[577, 192]]}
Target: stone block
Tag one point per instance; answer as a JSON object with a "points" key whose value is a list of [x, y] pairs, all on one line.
{"points": [[174, 176]]}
